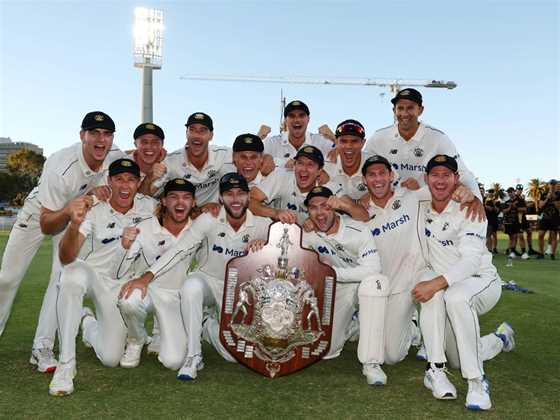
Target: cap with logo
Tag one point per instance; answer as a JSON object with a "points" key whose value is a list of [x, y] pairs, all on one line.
{"points": [[312, 153], [179, 184], [519, 187], [200, 118], [318, 191], [350, 128], [410, 94], [120, 166], [294, 105], [98, 119], [233, 180], [248, 143], [372, 160], [442, 160], [149, 128]]}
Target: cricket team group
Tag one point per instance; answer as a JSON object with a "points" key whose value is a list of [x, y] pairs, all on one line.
{"points": [[397, 216]]}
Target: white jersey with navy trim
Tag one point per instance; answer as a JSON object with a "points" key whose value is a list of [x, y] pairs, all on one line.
{"points": [[351, 251], [280, 187], [207, 180], [103, 228], [280, 148], [409, 158], [394, 230], [66, 176], [218, 243], [152, 242], [454, 246]]}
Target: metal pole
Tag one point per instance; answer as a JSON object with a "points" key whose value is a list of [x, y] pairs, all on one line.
{"points": [[147, 95]]}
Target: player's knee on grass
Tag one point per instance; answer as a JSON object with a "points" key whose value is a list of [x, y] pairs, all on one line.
{"points": [[171, 360]]}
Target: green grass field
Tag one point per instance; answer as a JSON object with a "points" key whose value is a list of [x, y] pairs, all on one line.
{"points": [[524, 383]]}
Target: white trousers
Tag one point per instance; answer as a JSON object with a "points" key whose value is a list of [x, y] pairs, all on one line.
{"points": [[24, 241], [450, 327], [398, 326], [106, 333], [202, 291], [345, 305], [165, 305]]}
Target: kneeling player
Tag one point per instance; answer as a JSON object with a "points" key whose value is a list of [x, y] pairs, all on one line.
{"points": [[463, 285], [232, 234], [145, 244], [349, 248], [102, 224]]}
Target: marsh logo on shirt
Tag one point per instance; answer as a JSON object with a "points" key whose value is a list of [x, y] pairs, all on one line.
{"points": [[395, 166], [395, 223], [291, 206], [411, 167], [108, 240], [446, 242], [323, 250], [217, 248]]}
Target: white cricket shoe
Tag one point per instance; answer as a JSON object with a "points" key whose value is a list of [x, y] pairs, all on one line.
{"points": [[524, 256], [512, 255], [190, 368], [421, 353], [44, 359], [132, 354], [548, 250], [87, 316], [435, 379], [374, 374], [63, 380], [507, 334], [155, 344], [478, 395]]}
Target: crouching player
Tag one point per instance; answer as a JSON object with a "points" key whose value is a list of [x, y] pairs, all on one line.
{"points": [[232, 234], [349, 248], [142, 246], [462, 285], [102, 225]]}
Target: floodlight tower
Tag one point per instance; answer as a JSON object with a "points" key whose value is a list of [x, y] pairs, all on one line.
{"points": [[148, 53]]}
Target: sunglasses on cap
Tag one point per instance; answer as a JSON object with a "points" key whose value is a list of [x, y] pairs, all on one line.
{"points": [[351, 127]]}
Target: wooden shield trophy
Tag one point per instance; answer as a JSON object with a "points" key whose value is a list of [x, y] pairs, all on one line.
{"points": [[278, 304]]}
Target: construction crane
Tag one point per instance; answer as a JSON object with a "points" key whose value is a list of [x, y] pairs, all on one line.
{"points": [[394, 85]]}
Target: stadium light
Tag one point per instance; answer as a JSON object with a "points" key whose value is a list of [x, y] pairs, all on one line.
{"points": [[148, 53]]}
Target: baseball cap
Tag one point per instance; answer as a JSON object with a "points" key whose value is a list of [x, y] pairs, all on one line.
{"points": [[519, 187], [312, 153], [98, 119], [442, 160], [510, 189], [120, 166], [200, 118], [373, 160], [248, 142], [292, 106], [233, 180], [148, 128], [553, 182], [179, 184], [318, 191], [410, 94], [350, 128]]}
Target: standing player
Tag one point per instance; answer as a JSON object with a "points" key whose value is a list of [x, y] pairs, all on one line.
{"points": [[145, 244], [235, 231], [283, 147], [68, 175], [349, 248], [492, 210], [102, 225], [550, 221], [409, 144], [346, 170], [512, 226], [462, 284]]}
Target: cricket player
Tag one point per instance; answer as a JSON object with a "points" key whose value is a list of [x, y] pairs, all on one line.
{"points": [[68, 176], [288, 190], [409, 143], [283, 147], [460, 285], [86, 249], [142, 246], [248, 157], [346, 171], [349, 247], [232, 234], [149, 153]]}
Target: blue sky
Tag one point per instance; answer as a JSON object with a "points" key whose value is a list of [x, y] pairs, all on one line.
{"points": [[61, 59]]}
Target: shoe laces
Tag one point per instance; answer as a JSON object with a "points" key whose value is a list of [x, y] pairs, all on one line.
{"points": [[191, 359], [45, 353], [438, 371]]}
